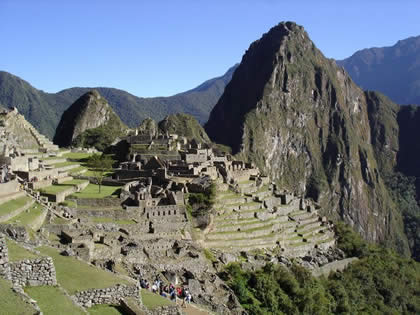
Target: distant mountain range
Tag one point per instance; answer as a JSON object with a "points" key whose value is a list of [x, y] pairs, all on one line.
{"points": [[44, 110], [394, 71]]}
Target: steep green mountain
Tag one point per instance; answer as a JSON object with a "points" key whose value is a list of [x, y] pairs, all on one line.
{"points": [[89, 121], [41, 109], [184, 125], [395, 71], [303, 121], [44, 110]]}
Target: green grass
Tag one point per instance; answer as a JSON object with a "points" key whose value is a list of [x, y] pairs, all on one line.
{"points": [[10, 302], [111, 220], [17, 253], [104, 310], [153, 300], [77, 156], [12, 205], [92, 191], [49, 158], [28, 215], [54, 189], [91, 173], [62, 164], [77, 170], [58, 220], [75, 275], [209, 255], [69, 203], [51, 300]]}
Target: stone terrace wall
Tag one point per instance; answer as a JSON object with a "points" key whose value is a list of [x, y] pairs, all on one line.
{"points": [[4, 258], [18, 233], [111, 295], [166, 310], [99, 202], [33, 272], [9, 187]]}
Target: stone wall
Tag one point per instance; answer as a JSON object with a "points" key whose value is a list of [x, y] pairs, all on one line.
{"points": [[111, 295], [4, 258], [99, 202], [61, 196], [33, 272], [166, 310], [63, 179], [17, 233], [40, 184], [9, 187]]}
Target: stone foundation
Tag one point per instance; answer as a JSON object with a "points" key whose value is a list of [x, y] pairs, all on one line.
{"points": [[111, 295], [33, 272], [4, 258]]}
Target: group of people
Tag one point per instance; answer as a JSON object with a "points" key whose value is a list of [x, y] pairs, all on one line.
{"points": [[170, 290]]}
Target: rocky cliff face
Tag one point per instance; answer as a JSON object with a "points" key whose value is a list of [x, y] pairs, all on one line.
{"points": [[89, 112], [304, 122]]}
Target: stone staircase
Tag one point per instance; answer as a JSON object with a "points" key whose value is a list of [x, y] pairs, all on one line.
{"points": [[44, 143], [246, 221]]}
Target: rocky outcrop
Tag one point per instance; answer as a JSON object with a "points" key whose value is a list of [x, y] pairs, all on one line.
{"points": [[91, 111], [304, 122], [184, 125], [149, 127]]}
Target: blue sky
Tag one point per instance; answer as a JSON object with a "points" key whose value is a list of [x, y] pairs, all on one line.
{"points": [[158, 48]]}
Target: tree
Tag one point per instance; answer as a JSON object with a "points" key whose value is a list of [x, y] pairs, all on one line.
{"points": [[100, 164]]}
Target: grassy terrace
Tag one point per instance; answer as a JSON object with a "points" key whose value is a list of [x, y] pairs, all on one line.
{"points": [[62, 164], [251, 203], [58, 220], [75, 275], [231, 212], [12, 205], [51, 300], [17, 252], [111, 220], [76, 170], [28, 215], [250, 222], [265, 227], [10, 302], [92, 191], [265, 236], [49, 158], [54, 189], [77, 156], [101, 309], [262, 189], [81, 158], [152, 300]]}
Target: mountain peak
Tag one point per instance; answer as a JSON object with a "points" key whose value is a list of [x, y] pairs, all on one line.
{"points": [[302, 121], [90, 111]]}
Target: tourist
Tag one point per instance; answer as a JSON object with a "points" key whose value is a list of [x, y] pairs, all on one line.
{"points": [[154, 288]]}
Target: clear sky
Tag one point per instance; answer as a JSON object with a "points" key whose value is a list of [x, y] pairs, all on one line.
{"points": [[159, 48]]}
